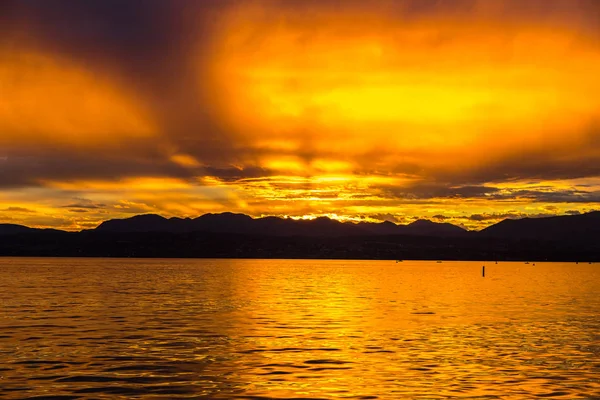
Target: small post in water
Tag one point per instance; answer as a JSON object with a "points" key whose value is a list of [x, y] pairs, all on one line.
{"points": [[483, 271]]}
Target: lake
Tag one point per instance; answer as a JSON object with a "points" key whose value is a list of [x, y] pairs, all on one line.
{"points": [[297, 329]]}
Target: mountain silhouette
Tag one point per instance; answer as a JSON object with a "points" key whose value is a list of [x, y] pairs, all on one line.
{"points": [[12, 229], [229, 235], [566, 227], [274, 226], [429, 228]]}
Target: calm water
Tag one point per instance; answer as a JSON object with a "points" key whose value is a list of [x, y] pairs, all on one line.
{"points": [[106, 328]]}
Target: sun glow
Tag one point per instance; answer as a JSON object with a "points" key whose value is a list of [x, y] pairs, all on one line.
{"points": [[436, 87]]}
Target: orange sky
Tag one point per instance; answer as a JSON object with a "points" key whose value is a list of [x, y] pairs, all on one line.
{"points": [[466, 111]]}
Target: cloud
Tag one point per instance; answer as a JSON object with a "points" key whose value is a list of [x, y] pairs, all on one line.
{"points": [[550, 195], [85, 204], [432, 190], [154, 45], [50, 101], [386, 217], [31, 168], [573, 212], [493, 216], [233, 174], [18, 210], [509, 215], [129, 207], [375, 108]]}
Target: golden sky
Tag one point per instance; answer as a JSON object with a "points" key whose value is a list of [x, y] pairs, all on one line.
{"points": [[461, 111]]}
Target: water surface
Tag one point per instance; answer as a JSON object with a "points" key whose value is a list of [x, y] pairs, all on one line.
{"points": [[253, 329]]}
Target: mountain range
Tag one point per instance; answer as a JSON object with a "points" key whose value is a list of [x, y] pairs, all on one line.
{"points": [[274, 226], [546, 228], [560, 238], [564, 228], [13, 229]]}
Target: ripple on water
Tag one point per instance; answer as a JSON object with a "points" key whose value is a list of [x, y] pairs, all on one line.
{"points": [[256, 329], [327, 361]]}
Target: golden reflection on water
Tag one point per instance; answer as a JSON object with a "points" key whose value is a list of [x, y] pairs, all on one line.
{"points": [[100, 328]]}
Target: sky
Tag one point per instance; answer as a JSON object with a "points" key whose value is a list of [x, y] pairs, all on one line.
{"points": [[460, 111]]}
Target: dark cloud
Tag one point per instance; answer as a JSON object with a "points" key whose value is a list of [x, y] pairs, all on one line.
{"points": [[550, 196], [89, 205], [29, 167], [102, 31], [23, 168], [19, 210], [573, 156], [429, 191], [233, 174], [149, 46], [540, 193], [509, 215]]}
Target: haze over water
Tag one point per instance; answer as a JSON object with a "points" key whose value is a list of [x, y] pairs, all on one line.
{"points": [[104, 328]]}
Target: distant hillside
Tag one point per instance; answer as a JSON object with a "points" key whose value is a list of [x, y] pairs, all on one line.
{"points": [[428, 228], [567, 238], [568, 227], [274, 226], [561, 228], [12, 229]]}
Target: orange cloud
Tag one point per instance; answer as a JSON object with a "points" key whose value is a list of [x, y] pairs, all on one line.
{"points": [[439, 90], [48, 100]]}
